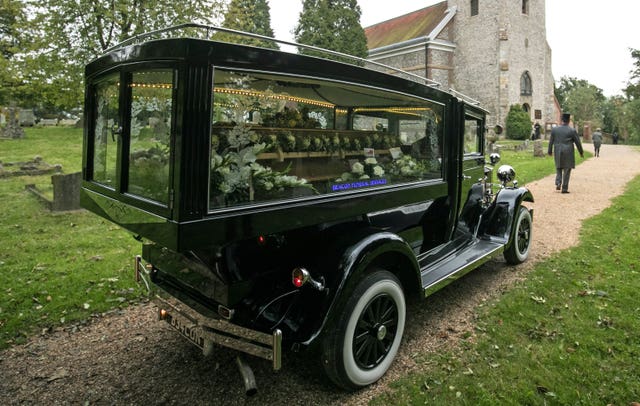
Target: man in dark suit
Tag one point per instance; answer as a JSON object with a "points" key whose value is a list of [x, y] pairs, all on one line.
{"points": [[563, 139]]}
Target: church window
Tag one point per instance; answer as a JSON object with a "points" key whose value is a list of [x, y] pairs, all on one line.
{"points": [[474, 7], [525, 6], [525, 85]]}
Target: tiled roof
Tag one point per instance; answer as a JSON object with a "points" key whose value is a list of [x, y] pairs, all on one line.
{"points": [[409, 26]]}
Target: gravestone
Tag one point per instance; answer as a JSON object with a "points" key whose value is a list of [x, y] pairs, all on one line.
{"points": [[537, 148], [12, 129], [66, 191]]}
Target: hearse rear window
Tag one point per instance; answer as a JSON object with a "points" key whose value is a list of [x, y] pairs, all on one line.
{"points": [[148, 111], [107, 123], [276, 137], [151, 104]]}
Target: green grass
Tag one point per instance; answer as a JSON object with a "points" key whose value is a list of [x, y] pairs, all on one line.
{"points": [[566, 335], [56, 269]]}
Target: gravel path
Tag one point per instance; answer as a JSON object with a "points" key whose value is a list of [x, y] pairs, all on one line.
{"points": [[129, 358]]}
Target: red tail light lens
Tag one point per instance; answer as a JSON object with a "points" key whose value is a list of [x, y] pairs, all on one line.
{"points": [[299, 277]]}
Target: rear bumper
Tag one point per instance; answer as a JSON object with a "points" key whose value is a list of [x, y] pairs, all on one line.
{"points": [[204, 330]]}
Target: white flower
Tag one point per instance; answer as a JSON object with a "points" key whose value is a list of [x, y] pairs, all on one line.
{"points": [[225, 188], [378, 171], [407, 171], [357, 168], [370, 161]]}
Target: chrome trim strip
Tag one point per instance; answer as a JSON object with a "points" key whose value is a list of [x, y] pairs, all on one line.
{"points": [[434, 287]]}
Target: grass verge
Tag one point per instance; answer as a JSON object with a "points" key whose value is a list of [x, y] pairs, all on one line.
{"points": [[566, 335], [56, 269]]}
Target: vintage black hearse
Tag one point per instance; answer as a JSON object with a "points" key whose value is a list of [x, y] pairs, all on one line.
{"points": [[289, 202]]}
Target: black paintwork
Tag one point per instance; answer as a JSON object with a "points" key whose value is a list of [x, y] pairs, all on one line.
{"points": [[216, 258]]}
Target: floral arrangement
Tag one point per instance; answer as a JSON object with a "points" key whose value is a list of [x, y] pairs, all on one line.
{"points": [[407, 167], [291, 118], [367, 170], [238, 177]]}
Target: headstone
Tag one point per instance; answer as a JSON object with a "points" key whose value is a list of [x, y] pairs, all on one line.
{"points": [[49, 121], [537, 148], [12, 129], [66, 191]]}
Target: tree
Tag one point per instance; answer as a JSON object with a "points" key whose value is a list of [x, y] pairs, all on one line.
{"points": [[73, 33], [632, 106], [249, 16], [632, 90], [12, 17], [518, 123], [613, 117], [583, 100], [331, 24]]}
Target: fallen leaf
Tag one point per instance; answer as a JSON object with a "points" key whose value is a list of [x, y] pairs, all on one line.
{"points": [[59, 374]]}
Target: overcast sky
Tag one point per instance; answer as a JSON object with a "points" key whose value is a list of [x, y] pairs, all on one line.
{"points": [[589, 39]]}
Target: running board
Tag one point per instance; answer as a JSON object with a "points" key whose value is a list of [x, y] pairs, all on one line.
{"points": [[443, 272]]}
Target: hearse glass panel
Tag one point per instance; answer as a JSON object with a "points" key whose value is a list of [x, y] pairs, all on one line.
{"points": [[107, 124], [145, 140], [278, 137], [150, 112], [472, 135]]}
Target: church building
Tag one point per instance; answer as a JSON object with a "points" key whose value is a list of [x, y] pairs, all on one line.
{"points": [[493, 51]]}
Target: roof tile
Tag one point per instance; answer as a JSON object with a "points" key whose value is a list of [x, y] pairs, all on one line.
{"points": [[403, 28]]}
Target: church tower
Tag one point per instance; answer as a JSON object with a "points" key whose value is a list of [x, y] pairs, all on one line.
{"points": [[502, 57]]}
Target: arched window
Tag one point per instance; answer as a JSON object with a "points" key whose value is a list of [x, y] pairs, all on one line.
{"points": [[525, 6], [526, 107], [525, 84], [475, 7]]}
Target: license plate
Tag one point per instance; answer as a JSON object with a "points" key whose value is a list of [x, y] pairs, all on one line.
{"points": [[187, 328]]}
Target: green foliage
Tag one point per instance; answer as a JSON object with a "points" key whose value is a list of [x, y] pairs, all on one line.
{"points": [[12, 38], [333, 25], [567, 84], [631, 109], [613, 116], [585, 104], [632, 116], [565, 336], [632, 91], [518, 123], [249, 16], [68, 34], [56, 269]]}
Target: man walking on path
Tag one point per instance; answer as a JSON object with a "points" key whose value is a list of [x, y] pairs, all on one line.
{"points": [[597, 141], [562, 139]]}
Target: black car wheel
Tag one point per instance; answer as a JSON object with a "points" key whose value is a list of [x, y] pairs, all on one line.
{"points": [[518, 251], [365, 338]]}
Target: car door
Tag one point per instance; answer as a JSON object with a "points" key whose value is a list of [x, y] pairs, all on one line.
{"points": [[472, 173]]}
